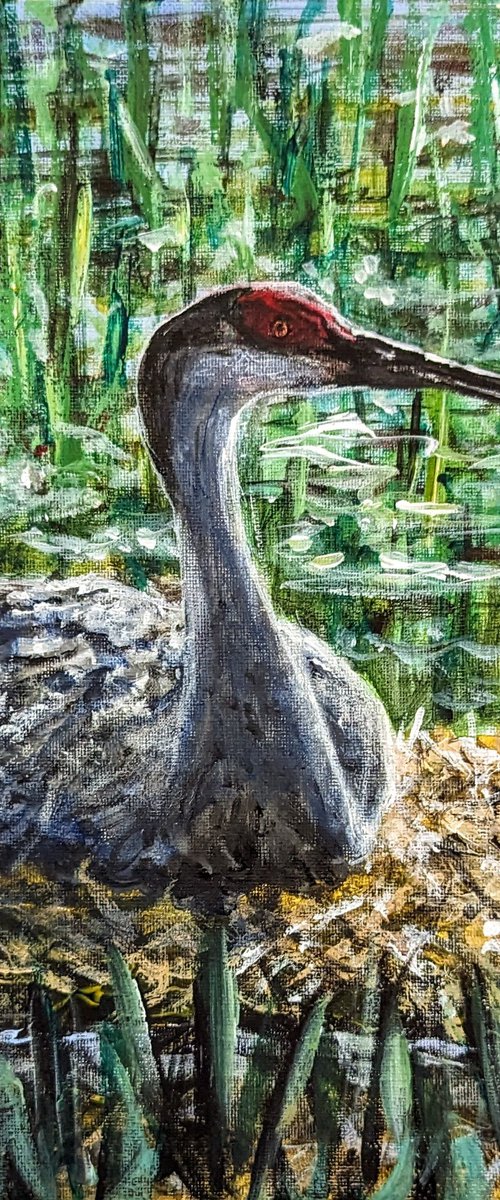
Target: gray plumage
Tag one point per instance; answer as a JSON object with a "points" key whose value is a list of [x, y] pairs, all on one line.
{"points": [[89, 676], [90, 692]]}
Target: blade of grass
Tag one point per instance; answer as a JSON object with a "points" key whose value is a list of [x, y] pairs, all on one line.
{"points": [[223, 1007], [422, 33], [128, 1163], [136, 1049], [138, 66], [80, 248], [464, 1172], [114, 138], [216, 1022], [296, 177], [432, 1105], [13, 60], [396, 1090], [18, 187], [483, 1031], [328, 1087], [221, 74], [285, 1096], [56, 1096], [16, 1141], [399, 1183], [255, 1091], [141, 171], [373, 1126], [372, 51], [481, 25], [116, 340], [66, 263], [396, 1082], [43, 1034], [438, 404]]}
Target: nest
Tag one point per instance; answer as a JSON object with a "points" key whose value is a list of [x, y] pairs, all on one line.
{"points": [[428, 901]]}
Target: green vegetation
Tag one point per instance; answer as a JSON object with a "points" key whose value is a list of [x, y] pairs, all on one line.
{"points": [[159, 154], [154, 1119]]}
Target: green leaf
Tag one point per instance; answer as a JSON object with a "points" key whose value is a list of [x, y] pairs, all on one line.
{"points": [[128, 1163], [138, 81], [136, 1049], [286, 1095], [16, 1140], [80, 248], [255, 1091], [43, 11], [396, 1083], [483, 1027], [44, 1051], [481, 24], [223, 1007], [465, 1173], [399, 1184], [422, 33]]}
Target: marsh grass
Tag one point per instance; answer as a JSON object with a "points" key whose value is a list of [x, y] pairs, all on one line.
{"points": [[241, 143], [222, 1125]]}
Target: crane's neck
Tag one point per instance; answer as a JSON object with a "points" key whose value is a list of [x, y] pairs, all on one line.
{"points": [[227, 607]]}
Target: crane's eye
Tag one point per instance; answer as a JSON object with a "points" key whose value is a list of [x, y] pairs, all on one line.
{"points": [[280, 329]]}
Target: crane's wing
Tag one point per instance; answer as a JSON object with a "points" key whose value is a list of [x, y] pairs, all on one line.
{"points": [[90, 671], [356, 719]]}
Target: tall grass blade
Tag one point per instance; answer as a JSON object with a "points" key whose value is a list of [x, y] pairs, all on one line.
{"points": [[464, 1173], [135, 1047], [20, 127], [141, 170], [56, 1097], [396, 1082], [372, 47], [255, 1091], [80, 249], [223, 1010], [16, 1141], [18, 186], [294, 173], [216, 1021], [371, 1142], [116, 339], [138, 66], [483, 1030], [286, 1093], [422, 33], [481, 24], [399, 1183], [114, 139], [221, 73], [328, 1093], [396, 1089], [44, 1051], [128, 1161]]}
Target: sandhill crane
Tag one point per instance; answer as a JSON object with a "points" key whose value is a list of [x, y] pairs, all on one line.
{"points": [[255, 752]]}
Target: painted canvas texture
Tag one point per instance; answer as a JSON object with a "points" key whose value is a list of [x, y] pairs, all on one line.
{"points": [[249, 599]]}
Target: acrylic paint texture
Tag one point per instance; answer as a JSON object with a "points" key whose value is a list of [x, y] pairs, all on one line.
{"points": [[249, 589]]}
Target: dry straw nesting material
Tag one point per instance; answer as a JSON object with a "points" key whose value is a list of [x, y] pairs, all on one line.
{"points": [[429, 899]]}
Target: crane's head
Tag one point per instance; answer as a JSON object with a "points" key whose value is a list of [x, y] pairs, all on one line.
{"points": [[279, 337]]}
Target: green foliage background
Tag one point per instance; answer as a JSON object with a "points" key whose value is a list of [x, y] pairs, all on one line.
{"points": [[149, 151]]}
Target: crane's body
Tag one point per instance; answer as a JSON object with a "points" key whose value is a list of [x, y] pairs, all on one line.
{"points": [[264, 755]]}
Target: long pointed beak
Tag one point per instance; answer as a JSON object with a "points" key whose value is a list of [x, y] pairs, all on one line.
{"points": [[378, 362]]}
